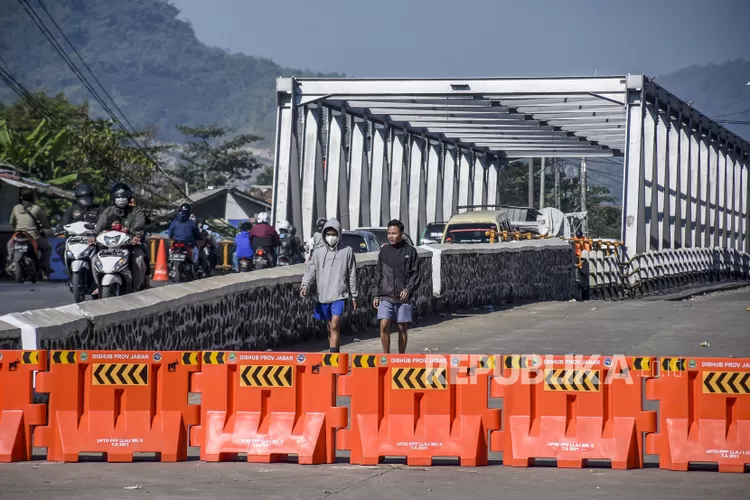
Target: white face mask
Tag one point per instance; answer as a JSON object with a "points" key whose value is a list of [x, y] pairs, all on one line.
{"points": [[332, 240]]}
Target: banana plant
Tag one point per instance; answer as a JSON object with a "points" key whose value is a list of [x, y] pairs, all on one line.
{"points": [[37, 152]]}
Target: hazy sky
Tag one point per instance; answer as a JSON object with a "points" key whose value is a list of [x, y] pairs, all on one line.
{"points": [[434, 38]]}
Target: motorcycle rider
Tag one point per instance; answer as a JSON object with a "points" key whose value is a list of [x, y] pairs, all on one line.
{"points": [[134, 222], [263, 235], [184, 229], [242, 246], [85, 209], [29, 218], [287, 233]]}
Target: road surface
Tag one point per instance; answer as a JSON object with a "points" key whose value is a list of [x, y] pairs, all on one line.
{"points": [[656, 327]]}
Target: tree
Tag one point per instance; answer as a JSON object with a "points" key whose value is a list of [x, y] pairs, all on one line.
{"points": [[265, 178], [38, 151], [209, 160]]}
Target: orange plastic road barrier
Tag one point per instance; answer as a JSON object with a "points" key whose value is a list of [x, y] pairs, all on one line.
{"points": [[573, 409], [704, 412], [418, 406], [161, 269], [18, 413], [268, 406], [117, 403]]}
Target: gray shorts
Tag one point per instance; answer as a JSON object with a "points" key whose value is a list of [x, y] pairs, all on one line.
{"points": [[400, 312]]}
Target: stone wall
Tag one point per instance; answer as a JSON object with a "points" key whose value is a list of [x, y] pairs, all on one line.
{"points": [[478, 275], [263, 310], [10, 336]]}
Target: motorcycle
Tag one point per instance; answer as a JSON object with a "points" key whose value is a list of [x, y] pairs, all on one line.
{"points": [[285, 253], [78, 252], [24, 263], [111, 264], [181, 267], [262, 259], [245, 265]]}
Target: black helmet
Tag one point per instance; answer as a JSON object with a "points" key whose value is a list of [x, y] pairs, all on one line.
{"points": [[119, 192], [27, 195], [84, 190], [320, 223], [246, 226], [185, 208], [579, 234], [84, 195]]}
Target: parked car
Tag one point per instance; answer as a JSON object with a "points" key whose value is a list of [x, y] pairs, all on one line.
{"points": [[472, 226], [360, 241], [381, 233], [432, 233]]}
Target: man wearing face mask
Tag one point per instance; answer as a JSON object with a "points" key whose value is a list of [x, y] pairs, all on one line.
{"points": [[134, 222], [334, 271], [85, 209]]}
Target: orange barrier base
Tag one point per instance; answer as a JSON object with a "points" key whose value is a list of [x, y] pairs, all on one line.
{"points": [[100, 405], [17, 412], [618, 442], [419, 407], [268, 406]]}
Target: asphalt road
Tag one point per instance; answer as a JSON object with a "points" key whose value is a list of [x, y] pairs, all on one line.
{"points": [[656, 327]]}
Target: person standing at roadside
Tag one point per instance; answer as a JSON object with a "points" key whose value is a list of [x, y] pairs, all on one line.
{"points": [[398, 280], [334, 270]]}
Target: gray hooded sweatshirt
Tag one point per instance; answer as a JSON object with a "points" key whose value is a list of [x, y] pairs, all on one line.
{"points": [[333, 269]]}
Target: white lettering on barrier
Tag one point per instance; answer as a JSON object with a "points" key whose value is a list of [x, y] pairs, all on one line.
{"points": [[572, 361], [261, 443], [419, 445], [427, 360], [119, 442], [570, 446], [266, 357], [101, 356], [729, 454]]}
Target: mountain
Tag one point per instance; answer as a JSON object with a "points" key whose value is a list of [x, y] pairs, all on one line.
{"points": [[717, 90], [149, 61]]}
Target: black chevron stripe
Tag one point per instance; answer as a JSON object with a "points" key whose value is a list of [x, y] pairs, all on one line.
{"points": [[594, 378], [730, 383], [744, 383], [121, 372], [550, 376], [26, 357], [665, 364], [108, 374], [720, 382], [71, 356], [277, 376], [144, 374], [243, 375], [266, 375], [358, 361], [255, 376], [397, 378], [207, 358], [574, 374], [98, 374], [408, 378], [707, 382], [288, 375], [56, 357], [131, 373], [371, 361], [186, 358]]}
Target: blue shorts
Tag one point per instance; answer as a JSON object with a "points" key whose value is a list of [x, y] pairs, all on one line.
{"points": [[326, 312], [400, 312]]}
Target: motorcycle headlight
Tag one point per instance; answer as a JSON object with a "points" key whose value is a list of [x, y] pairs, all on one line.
{"points": [[88, 252], [69, 255], [97, 265], [121, 264]]}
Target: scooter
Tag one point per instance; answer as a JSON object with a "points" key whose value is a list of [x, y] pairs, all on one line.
{"points": [[24, 263], [111, 264], [245, 265], [181, 266], [78, 252], [262, 259], [285, 253]]}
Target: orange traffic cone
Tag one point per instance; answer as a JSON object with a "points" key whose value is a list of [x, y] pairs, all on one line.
{"points": [[160, 272]]}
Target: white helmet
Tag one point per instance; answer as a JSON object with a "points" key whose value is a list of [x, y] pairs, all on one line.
{"points": [[263, 217], [284, 226]]}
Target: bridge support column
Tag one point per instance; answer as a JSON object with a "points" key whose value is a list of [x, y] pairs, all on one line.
{"points": [[492, 182], [480, 181], [434, 182], [416, 198], [378, 194], [450, 196], [464, 178]]}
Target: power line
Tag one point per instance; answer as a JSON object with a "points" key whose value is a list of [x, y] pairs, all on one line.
{"points": [[731, 114], [58, 48]]}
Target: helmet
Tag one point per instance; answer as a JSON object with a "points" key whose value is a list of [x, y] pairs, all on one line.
{"points": [[320, 223], [579, 234], [84, 195], [121, 194], [263, 218], [246, 226], [185, 208], [27, 195], [284, 226]]}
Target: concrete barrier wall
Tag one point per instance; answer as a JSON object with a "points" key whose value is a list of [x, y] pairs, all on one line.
{"points": [[10, 336], [263, 310]]}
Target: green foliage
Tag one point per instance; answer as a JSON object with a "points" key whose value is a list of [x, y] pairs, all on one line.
{"points": [[603, 218], [208, 161], [36, 153], [150, 61], [265, 178]]}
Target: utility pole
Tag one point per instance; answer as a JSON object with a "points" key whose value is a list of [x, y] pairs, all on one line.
{"points": [[584, 188], [557, 186], [531, 182], [541, 183]]}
